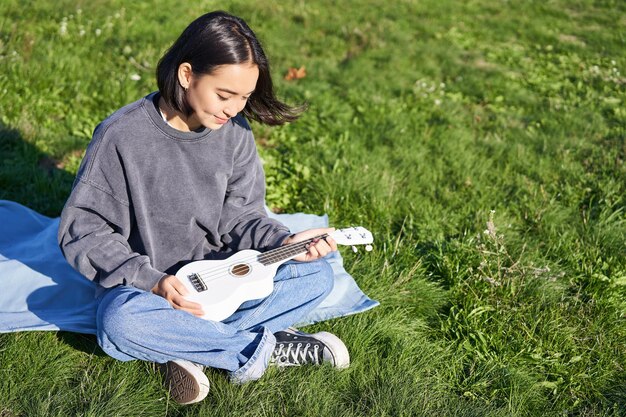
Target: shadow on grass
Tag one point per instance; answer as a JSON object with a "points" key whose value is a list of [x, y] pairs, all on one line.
{"points": [[83, 342], [29, 176]]}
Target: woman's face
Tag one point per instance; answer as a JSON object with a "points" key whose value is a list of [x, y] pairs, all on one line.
{"points": [[216, 97]]}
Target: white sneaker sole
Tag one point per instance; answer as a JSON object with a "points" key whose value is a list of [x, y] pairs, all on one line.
{"points": [[338, 350], [186, 382]]}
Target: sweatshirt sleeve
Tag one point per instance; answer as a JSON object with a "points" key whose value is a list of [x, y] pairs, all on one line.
{"points": [[93, 238], [244, 224], [97, 219]]}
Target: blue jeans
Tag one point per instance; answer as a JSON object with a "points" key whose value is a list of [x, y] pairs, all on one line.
{"points": [[136, 324]]}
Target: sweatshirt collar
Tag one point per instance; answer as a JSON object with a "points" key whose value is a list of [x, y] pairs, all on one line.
{"points": [[150, 104]]}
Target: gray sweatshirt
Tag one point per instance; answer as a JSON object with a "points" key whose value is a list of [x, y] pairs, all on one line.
{"points": [[149, 198]]}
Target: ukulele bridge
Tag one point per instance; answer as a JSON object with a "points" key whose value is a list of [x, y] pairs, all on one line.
{"points": [[197, 282]]}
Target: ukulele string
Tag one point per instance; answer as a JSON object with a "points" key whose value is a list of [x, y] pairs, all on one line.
{"points": [[210, 274], [259, 255]]}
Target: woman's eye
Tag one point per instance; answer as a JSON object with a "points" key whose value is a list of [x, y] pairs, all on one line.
{"points": [[222, 98]]}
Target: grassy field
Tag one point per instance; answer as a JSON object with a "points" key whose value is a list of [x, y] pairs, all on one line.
{"points": [[482, 142]]}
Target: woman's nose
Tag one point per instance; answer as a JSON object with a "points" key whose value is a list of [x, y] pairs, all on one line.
{"points": [[230, 111], [235, 108]]}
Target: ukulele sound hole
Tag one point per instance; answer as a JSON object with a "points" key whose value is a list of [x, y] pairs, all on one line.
{"points": [[240, 270]]}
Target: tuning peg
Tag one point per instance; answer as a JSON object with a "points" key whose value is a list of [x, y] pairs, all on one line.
{"points": [[369, 248], [354, 249]]}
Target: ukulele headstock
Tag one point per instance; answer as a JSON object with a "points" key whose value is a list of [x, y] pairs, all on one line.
{"points": [[352, 236]]}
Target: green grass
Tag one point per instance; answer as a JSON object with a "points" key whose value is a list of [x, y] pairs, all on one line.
{"points": [[482, 142]]}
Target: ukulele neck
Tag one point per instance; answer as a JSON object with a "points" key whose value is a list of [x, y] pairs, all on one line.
{"points": [[284, 253]]}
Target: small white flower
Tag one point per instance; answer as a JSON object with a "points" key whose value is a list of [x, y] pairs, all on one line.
{"points": [[437, 102], [82, 32], [135, 77], [98, 32]]}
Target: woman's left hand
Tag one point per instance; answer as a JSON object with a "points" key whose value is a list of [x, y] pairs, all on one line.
{"points": [[318, 248]]}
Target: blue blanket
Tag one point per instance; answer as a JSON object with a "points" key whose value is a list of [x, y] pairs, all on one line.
{"points": [[41, 291]]}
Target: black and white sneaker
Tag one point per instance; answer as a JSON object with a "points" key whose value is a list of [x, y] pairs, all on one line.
{"points": [[296, 348], [185, 381]]}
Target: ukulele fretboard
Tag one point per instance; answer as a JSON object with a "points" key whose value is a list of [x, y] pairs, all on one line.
{"points": [[287, 252]]}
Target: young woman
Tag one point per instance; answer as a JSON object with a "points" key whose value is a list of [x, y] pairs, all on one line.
{"points": [[173, 178]]}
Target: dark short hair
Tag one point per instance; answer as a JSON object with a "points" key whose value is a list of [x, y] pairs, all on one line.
{"points": [[216, 39]]}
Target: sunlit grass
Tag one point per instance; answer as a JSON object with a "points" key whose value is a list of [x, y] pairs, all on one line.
{"points": [[481, 142]]}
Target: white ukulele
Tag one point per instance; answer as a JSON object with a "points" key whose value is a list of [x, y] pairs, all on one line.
{"points": [[222, 286]]}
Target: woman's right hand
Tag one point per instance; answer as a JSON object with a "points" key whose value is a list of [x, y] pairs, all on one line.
{"points": [[170, 288]]}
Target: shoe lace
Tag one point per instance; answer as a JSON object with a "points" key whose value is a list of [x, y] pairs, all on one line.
{"points": [[296, 354]]}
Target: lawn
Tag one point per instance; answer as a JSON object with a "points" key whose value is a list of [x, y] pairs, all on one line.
{"points": [[482, 142]]}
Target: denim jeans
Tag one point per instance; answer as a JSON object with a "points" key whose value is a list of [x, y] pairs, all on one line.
{"points": [[137, 324]]}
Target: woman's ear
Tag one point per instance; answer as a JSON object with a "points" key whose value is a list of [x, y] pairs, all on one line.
{"points": [[184, 75]]}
